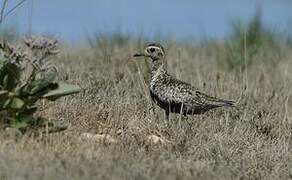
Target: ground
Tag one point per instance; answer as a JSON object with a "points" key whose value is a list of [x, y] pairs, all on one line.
{"points": [[251, 141]]}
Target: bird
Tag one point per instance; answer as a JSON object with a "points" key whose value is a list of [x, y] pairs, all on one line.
{"points": [[174, 95]]}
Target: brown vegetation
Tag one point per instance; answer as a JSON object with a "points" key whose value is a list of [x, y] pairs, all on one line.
{"points": [[251, 142]]}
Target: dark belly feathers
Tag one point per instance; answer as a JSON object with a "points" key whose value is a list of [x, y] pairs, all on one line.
{"points": [[178, 107]]}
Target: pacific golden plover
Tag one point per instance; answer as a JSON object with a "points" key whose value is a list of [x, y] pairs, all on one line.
{"points": [[174, 95]]}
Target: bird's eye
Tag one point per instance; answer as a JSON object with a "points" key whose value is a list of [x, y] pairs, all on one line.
{"points": [[152, 50]]}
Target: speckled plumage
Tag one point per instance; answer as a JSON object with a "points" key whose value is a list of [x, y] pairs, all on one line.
{"points": [[174, 95]]}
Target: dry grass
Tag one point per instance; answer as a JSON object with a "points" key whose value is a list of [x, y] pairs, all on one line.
{"points": [[252, 142]]}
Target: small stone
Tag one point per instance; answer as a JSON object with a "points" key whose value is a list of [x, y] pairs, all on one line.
{"points": [[155, 140], [85, 136]]}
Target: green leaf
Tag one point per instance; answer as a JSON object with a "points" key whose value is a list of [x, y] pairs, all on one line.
{"points": [[41, 85], [21, 121], [5, 81], [3, 98], [19, 89], [9, 75], [19, 125], [6, 103], [16, 103], [3, 92], [63, 89]]}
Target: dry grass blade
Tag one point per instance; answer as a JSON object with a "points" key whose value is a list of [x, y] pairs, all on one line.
{"points": [[3, 14]]}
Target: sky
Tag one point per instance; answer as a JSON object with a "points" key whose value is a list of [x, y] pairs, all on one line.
{"points": [[71, 20]]}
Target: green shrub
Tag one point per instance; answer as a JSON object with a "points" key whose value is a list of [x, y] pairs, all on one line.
{"points": [[26, 77]]}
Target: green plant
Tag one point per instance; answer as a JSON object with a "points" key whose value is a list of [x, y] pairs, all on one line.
{"points": [[26, 76], [247, 42]]}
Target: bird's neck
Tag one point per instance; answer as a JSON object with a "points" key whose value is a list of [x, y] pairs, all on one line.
{"points": [[158, 67]]}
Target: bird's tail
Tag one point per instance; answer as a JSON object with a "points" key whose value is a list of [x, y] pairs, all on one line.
{"points": [[226, 102], [216, 102]]}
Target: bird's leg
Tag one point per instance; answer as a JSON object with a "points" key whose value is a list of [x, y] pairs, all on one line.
{"points": [[181, 113], [166, 116]]}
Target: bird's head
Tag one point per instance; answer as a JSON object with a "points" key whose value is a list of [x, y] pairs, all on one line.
{"points": [[154, 50]]}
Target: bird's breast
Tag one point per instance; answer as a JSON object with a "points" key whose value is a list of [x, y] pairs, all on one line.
{"points": [[157, 98], [154, 81]]}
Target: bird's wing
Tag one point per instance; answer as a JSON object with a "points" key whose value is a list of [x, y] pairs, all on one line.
{"points": [[186, 93], [177, 91]]}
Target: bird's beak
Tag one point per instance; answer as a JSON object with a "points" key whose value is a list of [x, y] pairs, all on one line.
{"points": [[139, 54]]}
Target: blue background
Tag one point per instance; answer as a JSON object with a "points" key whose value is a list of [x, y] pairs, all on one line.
{"points": [[70, 20]]}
